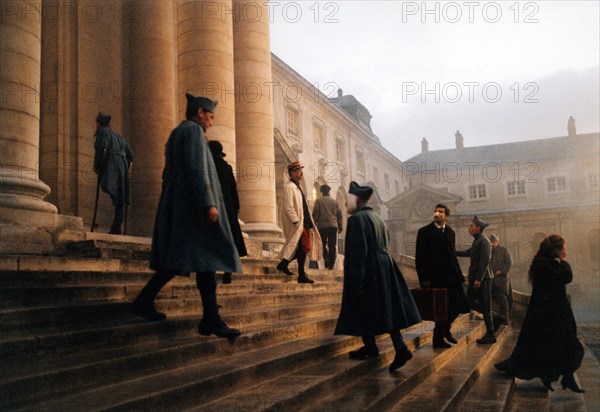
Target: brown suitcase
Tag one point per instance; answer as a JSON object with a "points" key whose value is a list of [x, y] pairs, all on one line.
{"points": [[432, 303]]}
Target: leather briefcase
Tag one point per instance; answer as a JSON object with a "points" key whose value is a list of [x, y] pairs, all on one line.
{"points": [[432, 303]]}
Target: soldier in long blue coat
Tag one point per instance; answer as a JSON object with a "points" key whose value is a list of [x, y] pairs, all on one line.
{"points": [[376, 298], [191, 232], [112, 159]]}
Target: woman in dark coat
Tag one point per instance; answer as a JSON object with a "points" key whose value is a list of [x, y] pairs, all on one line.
{"points": [[548, 346], [230, 197], [376, 298]]}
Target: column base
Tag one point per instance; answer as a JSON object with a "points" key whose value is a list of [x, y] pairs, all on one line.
{"points": [[264, 241], [34, 232]]}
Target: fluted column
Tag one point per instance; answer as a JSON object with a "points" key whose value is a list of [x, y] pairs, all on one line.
{"points": [[20, 62], [151, 97], [205, 63], [99, 87], [254, 120]]}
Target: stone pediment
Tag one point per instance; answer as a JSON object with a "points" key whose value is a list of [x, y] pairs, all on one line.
{"points": [[418, 202]]}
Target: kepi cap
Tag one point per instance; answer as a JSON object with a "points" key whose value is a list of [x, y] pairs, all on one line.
{"points": [[204, 103], [103, 119], [478, 222]]}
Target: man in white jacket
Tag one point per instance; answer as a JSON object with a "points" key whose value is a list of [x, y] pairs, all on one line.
{"points": [[297, 225]]}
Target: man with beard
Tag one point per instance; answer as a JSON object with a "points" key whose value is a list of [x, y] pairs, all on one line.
{"points": [[437, 267], [376, 298]]}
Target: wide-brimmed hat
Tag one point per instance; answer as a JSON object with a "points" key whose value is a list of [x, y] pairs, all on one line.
{"points": [[294, 166]]}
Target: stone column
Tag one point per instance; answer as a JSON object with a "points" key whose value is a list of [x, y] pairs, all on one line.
{"points": [[254, 121], [151, 103], [205, 63], [20, 57]]}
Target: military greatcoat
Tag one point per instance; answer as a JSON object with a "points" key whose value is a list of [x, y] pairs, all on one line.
{"points": [[376, 298], [182, 240], [112, 157]]}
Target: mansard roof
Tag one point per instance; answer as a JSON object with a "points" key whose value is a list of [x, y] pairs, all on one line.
{"points": [[528, 150]]}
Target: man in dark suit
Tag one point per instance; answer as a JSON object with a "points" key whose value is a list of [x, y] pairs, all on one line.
{"points": [[437, 267]]}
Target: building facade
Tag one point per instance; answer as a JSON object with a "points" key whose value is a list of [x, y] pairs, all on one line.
{"points": [[525, 190]]}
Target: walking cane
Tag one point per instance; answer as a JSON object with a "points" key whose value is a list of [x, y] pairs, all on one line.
{"points": [[126, 204], [96, 205]]}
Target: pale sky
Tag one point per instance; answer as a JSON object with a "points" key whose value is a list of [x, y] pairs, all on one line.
{"points": [[500, 71]]}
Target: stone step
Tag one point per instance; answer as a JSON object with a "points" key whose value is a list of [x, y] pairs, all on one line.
{"points": [[379, 389], [107, 332], [493, 391], [54, 279], [53, 296], [304, 388], [201, 380], [35, 319], [34, 382], [445, 390], [107, 249]]}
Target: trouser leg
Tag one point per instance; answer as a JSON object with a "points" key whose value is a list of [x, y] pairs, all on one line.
{"points": [[323, 234], [301, 257], [118, 219], [154, 285], [206, 282], [440, 329], [397, 341], [369, 341], [484, 300], [331, 245]]}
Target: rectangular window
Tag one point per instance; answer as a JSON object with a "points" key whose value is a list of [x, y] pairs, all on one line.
{"points": [[360, 161], [516, 188], [339, 150], [376, 176], [557, 184], [477, 192], [397, 186], [292, 122], [386, 181], [594, 181], [318, 137]]}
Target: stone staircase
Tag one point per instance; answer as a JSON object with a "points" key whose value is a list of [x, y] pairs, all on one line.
{"points": [[69, 343]]}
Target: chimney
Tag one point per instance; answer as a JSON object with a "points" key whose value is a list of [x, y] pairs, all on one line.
{"points": [[460, 144], [571, 127], [340, 94], [424, 145]]}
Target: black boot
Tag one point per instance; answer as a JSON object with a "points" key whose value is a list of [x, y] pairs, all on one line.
{"points": [[143, 305], [402, 356], [283, 267], [226, 278], [146, 311], [568, 381], [302, 278]]}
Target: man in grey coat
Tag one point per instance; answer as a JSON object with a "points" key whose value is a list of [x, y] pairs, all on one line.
{"points": [[328, 218], [501, 290], [376, 298], [112, 160], [479, 292], [191, 232]]}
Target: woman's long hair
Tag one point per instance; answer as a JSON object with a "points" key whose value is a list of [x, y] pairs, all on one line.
{"points": [[549, 248]]}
